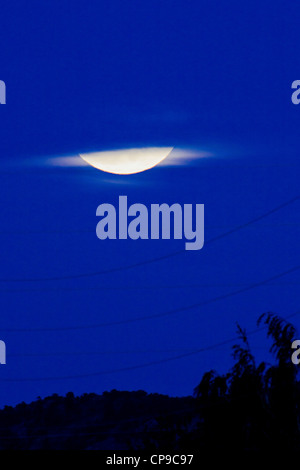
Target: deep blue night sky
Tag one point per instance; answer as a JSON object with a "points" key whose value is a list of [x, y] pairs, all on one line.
{"points": [[210, 75]]}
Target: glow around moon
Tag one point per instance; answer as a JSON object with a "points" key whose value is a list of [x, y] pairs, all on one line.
{"points": [[127, 161]]}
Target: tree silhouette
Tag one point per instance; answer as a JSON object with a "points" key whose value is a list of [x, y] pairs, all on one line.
{"points": [[281, 387], [251, 407]]}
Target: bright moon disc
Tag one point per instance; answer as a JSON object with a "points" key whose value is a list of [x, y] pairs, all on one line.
{"points": [[127, 161]]}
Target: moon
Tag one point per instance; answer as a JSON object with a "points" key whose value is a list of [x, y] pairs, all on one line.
{"points": [[127, 161]]}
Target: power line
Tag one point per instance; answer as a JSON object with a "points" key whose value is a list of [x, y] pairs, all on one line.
{"points": [[141, 366], [144, 287], [88, 231], [153, 260], [256, 219], [105, 353], [158, 315]]}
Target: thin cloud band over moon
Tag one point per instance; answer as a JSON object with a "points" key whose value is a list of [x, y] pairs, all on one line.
{"points": [[130, 161]]}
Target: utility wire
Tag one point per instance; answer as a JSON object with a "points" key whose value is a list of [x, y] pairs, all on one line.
{"points": [[104, 353], [144, 287], [153, 260], [141, 366], [157, 315]]}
